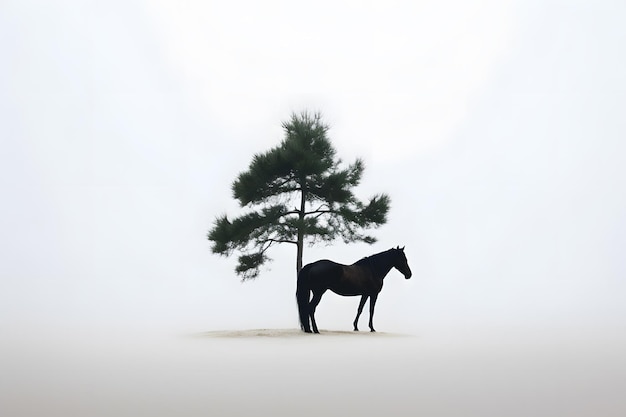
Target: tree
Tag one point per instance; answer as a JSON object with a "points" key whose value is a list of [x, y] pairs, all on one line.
{"points": [[293, 193]]}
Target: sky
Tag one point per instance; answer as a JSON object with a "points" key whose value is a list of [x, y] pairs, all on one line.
{"points": [[496, 128]]}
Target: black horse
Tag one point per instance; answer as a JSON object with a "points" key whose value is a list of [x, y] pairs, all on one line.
{"points": [[364, 278]]}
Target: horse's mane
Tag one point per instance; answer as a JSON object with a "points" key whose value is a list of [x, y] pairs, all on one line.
{"points": [[366, 260]]}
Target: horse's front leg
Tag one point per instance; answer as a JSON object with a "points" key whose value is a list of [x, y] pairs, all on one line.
{"points": [[373, 298], [358, 312]]}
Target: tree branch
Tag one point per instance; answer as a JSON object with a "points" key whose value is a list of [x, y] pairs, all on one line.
{"points": [[279, 241], [319, 212], [278, 185], [287, 213], [267, 243]]}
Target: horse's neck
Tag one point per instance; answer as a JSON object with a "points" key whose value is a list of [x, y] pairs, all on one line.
{"points": [[380, 264]]}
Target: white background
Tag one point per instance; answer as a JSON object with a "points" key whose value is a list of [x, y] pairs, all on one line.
{"points": [[496, 127]]}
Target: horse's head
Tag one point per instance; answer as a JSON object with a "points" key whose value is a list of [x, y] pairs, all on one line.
{"points": [[400, 262]]}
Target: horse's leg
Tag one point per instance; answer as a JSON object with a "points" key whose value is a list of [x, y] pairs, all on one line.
{"points": [[358, 312], [317, 296], [373, 298]]}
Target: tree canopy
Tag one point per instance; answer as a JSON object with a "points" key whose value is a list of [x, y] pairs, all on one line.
{"points": [[296, 192]]}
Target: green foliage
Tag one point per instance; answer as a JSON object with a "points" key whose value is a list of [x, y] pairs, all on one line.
{"points": [[294, 192]]}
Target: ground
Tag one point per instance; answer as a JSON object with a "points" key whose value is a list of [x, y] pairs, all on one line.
{"points": [[286, 372]]}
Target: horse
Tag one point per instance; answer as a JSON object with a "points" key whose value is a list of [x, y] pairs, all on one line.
{"points": [[364, 278]]}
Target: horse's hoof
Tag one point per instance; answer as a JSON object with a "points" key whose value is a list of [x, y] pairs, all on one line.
{"points": [[307, 331], [356, 330], [372, 331]]}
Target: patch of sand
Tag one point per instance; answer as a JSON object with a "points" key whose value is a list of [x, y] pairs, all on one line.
{"points": [[290, 333]]}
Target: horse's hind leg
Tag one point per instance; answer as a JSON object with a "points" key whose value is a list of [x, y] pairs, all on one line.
{"points": [[358, 312], [317, 296]]}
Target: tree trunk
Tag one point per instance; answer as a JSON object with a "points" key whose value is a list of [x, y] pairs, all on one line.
{"points": [[300, 243], [299, 256]]}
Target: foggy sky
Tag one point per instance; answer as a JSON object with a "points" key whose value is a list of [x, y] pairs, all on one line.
{"points": [[496, 127]]}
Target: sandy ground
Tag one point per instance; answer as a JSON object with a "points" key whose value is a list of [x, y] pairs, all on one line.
{"points": [[283, 372]]}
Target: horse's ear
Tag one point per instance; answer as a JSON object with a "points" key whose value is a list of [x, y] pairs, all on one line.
{"points": [[401, 248]]}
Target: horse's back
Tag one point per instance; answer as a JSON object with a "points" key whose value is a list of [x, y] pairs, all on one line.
{"points": [[322, 273], [322, 267]]}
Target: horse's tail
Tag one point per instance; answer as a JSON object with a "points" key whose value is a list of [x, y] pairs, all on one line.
{"points": [[303, 294]]}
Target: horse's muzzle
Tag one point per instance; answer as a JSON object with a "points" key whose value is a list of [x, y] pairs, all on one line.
{"points": [[408, 275]]}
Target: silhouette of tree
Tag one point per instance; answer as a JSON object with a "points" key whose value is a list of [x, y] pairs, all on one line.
{"points": [[296, 192]]}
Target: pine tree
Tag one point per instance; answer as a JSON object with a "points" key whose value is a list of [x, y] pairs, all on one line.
{"points": [[294, 193]]}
